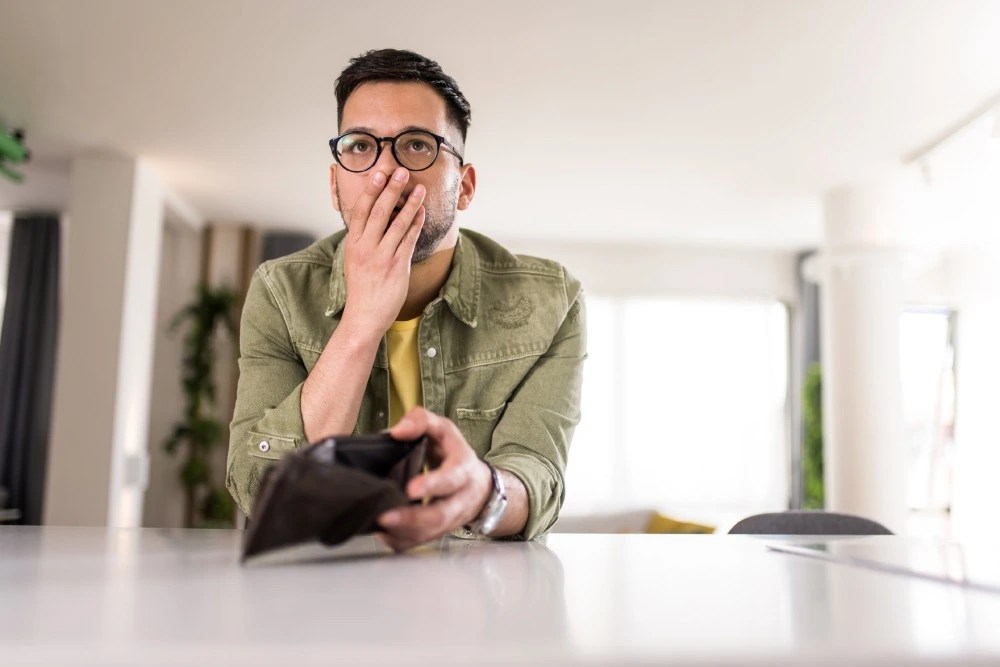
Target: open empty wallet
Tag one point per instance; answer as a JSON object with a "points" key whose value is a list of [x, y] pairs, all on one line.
{"points": [[332, 490]]}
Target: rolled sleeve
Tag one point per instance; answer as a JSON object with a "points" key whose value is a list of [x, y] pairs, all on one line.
{"points": [[267, 421], [531, 440]]}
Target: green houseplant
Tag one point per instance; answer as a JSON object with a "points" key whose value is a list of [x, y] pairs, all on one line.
{"points": [[206, 503], [812, 441]]}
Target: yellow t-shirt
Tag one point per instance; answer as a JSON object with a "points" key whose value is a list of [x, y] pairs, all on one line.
{"points": [[405, 388]]}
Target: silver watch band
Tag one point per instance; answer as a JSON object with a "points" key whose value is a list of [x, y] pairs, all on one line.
{"points": [[493, 512]]}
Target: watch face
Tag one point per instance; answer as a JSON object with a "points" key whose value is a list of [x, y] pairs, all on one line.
{"points": [[490, 517], [494, 512]]}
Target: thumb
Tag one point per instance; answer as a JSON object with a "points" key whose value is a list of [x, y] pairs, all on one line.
{"points": [[412, 425]]}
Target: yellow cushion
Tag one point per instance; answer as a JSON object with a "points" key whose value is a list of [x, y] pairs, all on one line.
{"points": [[659, 523]]}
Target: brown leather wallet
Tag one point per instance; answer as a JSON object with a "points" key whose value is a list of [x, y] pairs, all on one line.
{"points": [[332, 490]]}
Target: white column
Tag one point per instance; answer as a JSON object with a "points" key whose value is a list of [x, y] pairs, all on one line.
{"points": [[862, 300], [97, 458], [6, 230]]}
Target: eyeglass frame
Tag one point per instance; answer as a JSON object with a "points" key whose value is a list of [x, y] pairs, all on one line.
{"points": [[441, 141]]}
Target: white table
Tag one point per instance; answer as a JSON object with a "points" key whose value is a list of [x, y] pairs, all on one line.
{"points": [[146, 596]]}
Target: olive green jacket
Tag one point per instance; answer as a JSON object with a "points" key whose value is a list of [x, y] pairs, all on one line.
{"points": [[501, 355]]}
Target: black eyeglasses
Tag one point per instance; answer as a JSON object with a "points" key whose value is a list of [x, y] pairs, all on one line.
{"points": [[414, 149]]}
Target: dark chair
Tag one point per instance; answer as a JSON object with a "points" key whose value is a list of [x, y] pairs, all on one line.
{"points": [[804, 522]]}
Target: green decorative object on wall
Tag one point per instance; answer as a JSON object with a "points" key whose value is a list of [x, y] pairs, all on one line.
{"points": [[12, 151], [812, 441], [206, 504]]}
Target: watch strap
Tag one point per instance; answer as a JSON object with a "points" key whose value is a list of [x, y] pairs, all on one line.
{"points": [[495, 507]]}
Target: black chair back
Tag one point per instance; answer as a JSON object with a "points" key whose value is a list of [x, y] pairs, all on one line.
{"points": [[807, 522]]}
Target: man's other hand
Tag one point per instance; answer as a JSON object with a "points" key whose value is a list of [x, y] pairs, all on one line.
{"points": [[457, 489]]}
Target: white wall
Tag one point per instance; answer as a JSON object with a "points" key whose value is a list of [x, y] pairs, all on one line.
{"points": [[180, 273], [45, 187], [617, 269], [180, 265], [224, 266], [104, 358]]}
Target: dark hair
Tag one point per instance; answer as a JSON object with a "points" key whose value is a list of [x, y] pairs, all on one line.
{"points": [[401, 65]]}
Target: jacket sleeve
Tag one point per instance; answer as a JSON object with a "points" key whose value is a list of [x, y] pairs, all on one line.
{"points": [[267, 420], [532, 439]]}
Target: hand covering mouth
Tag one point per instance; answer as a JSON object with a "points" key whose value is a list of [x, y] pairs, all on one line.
{"points": [[399, 207]]}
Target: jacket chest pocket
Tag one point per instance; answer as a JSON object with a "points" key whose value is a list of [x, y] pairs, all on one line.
{"points": [[477, 426]]}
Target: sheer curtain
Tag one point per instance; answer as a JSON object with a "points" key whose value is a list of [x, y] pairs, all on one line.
{"points": [[685, 409]]}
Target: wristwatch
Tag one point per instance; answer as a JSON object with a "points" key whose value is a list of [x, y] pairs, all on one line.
{"points": [[493, 512]]}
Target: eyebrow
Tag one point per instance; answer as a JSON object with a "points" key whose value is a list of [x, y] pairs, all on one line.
{"points": [[408, 128]]}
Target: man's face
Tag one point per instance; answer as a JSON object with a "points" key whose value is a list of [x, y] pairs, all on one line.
{"points": [[385, 109]]}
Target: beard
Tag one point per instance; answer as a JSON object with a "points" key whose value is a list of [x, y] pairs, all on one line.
{"points": [[439, 217]]}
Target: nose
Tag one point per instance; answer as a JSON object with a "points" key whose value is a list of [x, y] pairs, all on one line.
{"points": [[386, 162]]}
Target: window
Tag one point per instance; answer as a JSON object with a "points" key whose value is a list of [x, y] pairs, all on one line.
{"points": [[927, 362], [684, 409]]}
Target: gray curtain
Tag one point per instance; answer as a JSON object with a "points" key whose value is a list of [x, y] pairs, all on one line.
{"points": [[27, 361]]}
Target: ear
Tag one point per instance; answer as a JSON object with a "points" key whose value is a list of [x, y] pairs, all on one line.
{"points": [[333, 186], [468, 187]]}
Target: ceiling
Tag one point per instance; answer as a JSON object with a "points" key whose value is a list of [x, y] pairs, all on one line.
{"points": [[675, 122]]}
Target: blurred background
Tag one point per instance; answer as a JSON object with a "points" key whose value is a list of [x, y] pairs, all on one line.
{"points": [[785, 216]]}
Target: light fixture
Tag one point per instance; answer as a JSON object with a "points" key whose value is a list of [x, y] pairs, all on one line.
{"points": [[983, 122]]}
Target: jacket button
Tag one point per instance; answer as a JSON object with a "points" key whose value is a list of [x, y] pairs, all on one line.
{"points": [[263, 446], [431, 352], [380, 414]]}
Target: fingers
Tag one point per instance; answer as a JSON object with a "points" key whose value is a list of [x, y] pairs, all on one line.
{"points": [[444, 480], [363, 204], [404, 219], [412, 425], [407, 527], [457, 458], [397, 543], [420, 421], [459, 484], [400, 543], [408, 243], [382, 207]]}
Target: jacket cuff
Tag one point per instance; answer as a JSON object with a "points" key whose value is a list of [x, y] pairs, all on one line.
{"points": [[284, 421], [544, 487], [275, 435]]}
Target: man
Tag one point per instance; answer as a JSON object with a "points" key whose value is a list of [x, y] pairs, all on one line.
{"points": [[404, 320]]}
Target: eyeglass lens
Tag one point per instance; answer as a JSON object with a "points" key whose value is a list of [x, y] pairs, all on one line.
{"points": [[415, 150]]}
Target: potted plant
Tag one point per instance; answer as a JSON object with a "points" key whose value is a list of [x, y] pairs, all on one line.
{"points": [[207, 503], [812, 441]]}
